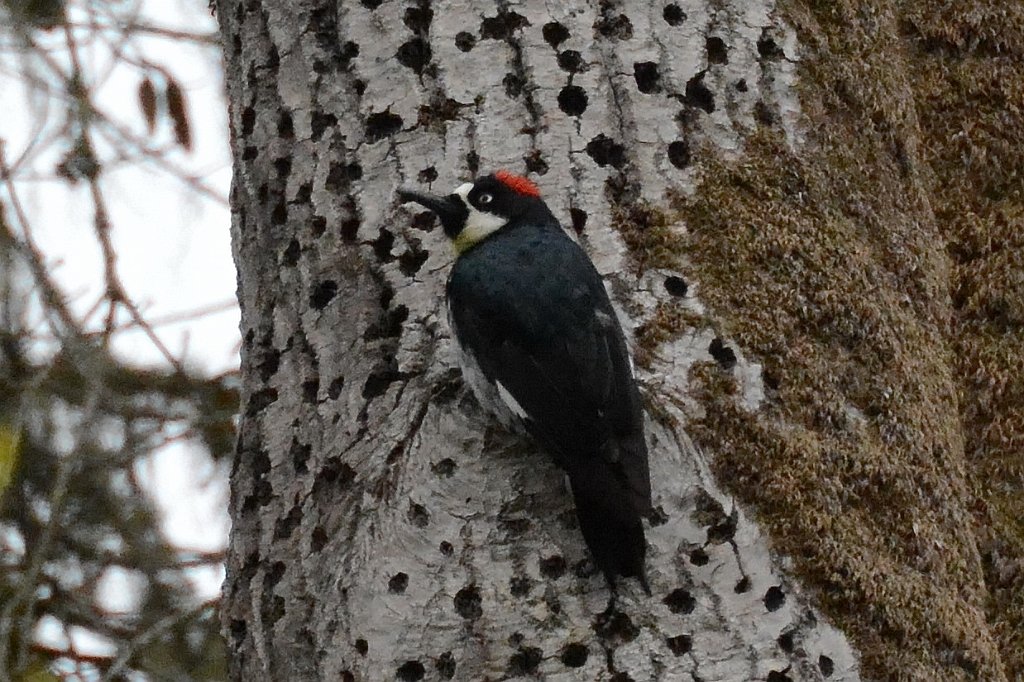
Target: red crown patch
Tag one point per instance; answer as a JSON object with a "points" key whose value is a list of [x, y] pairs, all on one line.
{"points": [[517, 183]]}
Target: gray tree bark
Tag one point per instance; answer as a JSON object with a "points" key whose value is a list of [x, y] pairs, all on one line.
{"points": [[383, 527]]}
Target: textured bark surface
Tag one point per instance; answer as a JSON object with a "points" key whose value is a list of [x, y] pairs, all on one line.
{"points": [[383, 528]]}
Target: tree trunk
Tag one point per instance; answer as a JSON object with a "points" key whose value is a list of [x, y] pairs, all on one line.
{"points": [[761, 213]]}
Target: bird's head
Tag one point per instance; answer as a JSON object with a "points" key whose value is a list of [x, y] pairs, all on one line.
{"points": [[476, 210]]}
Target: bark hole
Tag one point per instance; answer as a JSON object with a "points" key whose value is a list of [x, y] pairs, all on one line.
{"points": [[768, 48], [717, 51], [606, 152], [616, 27], [673, 14], [502, 26], [680, 600], [575, 655], [570, 61], [774, 598], [680, 644], [320, 122], [468, 603], [465, 41], [572, 100], [445, 468], [553, 567], [723, 355], [679, 153], [579, 219], [535, 162], [524, 661], [418, 515], [382, 124], [410, 671], [398, 583], [290, 257], [698, 95], [519, 586], [323, 293], [648, 80], [676, 286], [555, 34], [414, 54]]}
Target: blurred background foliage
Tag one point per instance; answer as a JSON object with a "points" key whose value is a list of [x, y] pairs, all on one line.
{"points": [[78, 419]]}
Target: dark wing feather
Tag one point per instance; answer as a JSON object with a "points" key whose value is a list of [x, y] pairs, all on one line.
{"points": [[559, 351]]}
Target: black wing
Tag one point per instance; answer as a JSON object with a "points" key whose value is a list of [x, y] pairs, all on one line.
{"points": [[538, 321]]}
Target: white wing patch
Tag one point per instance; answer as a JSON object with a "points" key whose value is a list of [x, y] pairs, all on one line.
{"points": [[510, 401]]}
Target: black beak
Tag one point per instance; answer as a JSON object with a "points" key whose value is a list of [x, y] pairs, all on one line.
{"points": [[450, 210]]}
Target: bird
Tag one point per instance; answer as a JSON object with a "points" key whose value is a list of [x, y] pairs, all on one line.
{"points": [[541, 347]]}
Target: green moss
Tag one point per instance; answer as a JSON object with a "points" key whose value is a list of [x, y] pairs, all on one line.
{"points": [[830, 266]]}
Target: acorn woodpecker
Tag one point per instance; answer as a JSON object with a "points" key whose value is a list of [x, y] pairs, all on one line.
{"points": [[541, 347]]}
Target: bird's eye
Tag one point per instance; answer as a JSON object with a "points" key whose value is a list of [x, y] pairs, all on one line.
{"points": [[485, 199]]}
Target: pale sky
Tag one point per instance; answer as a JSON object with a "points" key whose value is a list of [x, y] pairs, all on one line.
{"points": [[173, 246]]}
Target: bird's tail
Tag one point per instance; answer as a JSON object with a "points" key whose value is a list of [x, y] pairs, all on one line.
{"points": [[610, 523]]}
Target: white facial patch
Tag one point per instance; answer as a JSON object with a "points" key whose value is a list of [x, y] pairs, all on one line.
{"points": [[479, 224]]}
